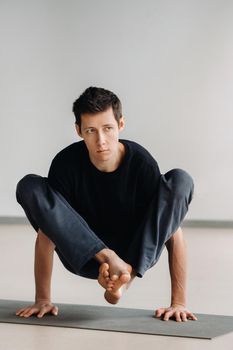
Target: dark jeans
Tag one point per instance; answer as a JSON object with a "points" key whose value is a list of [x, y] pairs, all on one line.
{"points": [[76, 244]]}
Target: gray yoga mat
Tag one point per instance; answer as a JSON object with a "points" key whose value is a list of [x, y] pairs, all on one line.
{"points": [[120, 320]]}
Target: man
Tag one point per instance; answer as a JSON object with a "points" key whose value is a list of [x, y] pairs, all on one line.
{"points": [[106, 210]]}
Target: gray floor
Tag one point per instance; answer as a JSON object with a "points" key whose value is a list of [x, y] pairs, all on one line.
{"points": [[210, 291]]}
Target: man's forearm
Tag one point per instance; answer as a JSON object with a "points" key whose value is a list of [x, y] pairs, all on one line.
{"points": [[177, 255], [44, 251]]}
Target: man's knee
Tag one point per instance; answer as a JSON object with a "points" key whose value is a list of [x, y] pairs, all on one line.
{"points": [[182, 183], [28, 186]]}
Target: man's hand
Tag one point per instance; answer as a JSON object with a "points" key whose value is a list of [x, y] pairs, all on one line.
{"points": [[179, 312], [40, 308]]}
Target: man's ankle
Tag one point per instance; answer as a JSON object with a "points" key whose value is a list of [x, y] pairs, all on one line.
{"points": [[103, 255]]}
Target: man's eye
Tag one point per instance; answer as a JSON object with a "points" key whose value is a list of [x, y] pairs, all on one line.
{"points": [[90, 131], [108, 128]]}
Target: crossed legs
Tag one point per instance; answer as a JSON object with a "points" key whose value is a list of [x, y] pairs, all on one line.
{"points": [[52, 216]]}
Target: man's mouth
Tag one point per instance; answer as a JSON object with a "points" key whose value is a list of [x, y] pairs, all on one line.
{"points": [[102, 150]]}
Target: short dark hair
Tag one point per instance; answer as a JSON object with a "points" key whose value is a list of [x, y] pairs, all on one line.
{"points": [[94, 100]]}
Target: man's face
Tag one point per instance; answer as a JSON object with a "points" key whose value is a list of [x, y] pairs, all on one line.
{"points": [[101, 134]]}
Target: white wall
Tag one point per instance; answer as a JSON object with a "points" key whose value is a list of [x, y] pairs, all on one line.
{"points": [[170, 62]]}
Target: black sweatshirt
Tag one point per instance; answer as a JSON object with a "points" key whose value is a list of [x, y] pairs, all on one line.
{"points": [[112, 203]]}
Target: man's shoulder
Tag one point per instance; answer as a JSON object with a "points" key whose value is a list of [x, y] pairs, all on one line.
{"points": [[139, 152], [69, 152], [142, 164]]}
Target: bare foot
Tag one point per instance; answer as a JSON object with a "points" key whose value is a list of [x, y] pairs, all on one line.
{"points": [[113, 297], [114, 272], [115, 275], [103, 278]]}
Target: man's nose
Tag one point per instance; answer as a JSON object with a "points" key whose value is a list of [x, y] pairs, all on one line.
{"points": [[101, 138]]}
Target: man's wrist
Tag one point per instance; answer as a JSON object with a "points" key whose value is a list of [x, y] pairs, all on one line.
{"points": [[42, 300], [175, 304], [178, 298]]}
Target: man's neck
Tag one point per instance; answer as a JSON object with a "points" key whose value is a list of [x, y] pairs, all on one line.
{"points": [[113, 164]]}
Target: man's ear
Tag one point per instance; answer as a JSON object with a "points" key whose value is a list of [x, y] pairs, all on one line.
{"points": [[78, 129], [121, 123]]}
